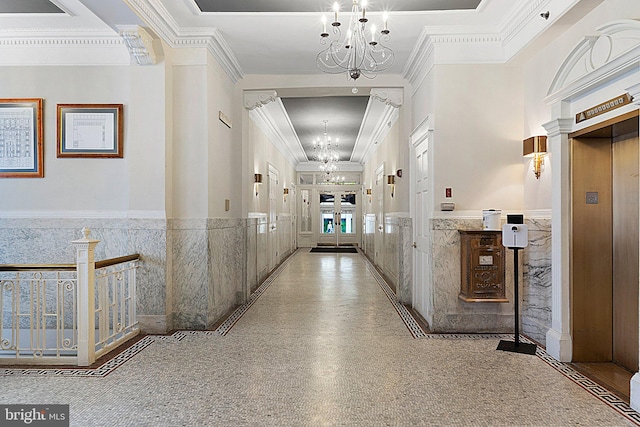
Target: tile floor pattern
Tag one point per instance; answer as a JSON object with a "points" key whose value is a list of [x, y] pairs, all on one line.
{"points": [[321, 346]]}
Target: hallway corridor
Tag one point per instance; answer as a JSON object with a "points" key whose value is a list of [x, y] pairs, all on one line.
{"points": [[322, 345]]}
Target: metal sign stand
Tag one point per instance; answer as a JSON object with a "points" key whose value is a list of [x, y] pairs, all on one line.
{"points": [[517, 235]]}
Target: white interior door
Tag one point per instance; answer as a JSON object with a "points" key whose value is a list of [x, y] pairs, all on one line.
{"points": [[421, 212]]}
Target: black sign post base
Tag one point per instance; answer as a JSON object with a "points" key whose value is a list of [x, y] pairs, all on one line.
{"points": [[516, 346]]}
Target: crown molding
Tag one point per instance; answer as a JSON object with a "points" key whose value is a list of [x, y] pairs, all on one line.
{"points": [[267, 111], [380, 115], [160, 20]]}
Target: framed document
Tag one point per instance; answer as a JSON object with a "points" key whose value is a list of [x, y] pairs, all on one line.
{"points": [[90, 130], [21, 138]]}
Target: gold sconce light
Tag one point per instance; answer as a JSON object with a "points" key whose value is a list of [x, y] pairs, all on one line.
{"points": [[257, 179], [369, 193], [535, 147], [391, 180], [285, 193]]}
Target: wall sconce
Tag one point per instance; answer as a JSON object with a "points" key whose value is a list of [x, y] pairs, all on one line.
{"points": [[535, 147], [285, 193], [257, 179], [391, 180], [369, 193]]}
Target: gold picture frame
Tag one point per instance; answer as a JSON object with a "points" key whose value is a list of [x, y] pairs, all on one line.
{"points": [[90, 130], [21, 138]]}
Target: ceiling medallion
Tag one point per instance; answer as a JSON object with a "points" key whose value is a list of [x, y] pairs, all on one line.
{"points": [[361, 52]]}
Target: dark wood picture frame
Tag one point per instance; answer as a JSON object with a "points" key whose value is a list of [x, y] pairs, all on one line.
{"points": [[21, 138], [90, 130]]}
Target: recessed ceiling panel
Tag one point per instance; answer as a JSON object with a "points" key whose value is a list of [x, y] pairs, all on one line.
{"points": [[28, 6], [283, 6], [343, 113]]}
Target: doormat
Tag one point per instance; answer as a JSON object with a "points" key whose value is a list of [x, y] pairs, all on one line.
{"points": [[335, 249]]}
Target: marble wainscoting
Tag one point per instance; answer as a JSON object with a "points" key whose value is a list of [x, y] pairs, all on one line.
{"points": [[398, 259], [285, 228], [450, 314], [369, 232], [262, 260], [48, 241], [536, 289], [214, 264]]}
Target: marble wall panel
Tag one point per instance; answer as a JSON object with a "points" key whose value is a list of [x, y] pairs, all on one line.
{"points": [[190, 271], [251, 257], [48, 240], [536, 290], [227, 265], [369, 235], [391, 252], [450, 314], [405, 260]]}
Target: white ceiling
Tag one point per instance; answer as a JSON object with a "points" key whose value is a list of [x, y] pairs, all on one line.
{"points": [[280, 41]]}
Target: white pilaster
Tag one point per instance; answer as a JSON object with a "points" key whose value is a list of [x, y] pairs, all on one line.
{"points": [[85, 266], [559, 344], [634, 91]]}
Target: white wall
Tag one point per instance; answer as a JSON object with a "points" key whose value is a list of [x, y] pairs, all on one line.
{"points": [[477, 147], [259, 152], [70, 184], [393, 151]]}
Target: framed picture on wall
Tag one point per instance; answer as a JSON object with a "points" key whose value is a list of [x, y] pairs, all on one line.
{"points": [[90, 130], [21, 138]]}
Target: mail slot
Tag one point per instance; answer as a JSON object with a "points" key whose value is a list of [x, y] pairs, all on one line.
{"points": [[482, 266]]}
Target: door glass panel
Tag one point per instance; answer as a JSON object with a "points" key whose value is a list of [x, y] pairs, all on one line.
{"points": [[327, 201], [305, 208], [348, 213]]}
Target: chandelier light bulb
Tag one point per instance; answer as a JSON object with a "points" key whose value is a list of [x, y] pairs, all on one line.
{"points": [[336, 9]]}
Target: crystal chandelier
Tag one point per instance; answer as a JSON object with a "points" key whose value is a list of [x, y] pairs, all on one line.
{"points": [[326, 152], [359, 52]]}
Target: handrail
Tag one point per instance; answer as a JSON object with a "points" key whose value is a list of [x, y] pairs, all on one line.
{"points": [[66, 267], [38, 267], [113, 261]]}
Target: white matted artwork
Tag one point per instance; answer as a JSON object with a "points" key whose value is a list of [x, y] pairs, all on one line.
{"points": [[90, 130]]}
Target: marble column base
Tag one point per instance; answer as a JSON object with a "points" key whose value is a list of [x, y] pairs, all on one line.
{"points": [[635, 392]]}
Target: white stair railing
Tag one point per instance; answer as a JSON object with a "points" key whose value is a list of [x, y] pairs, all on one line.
{"points": [[67, 313]]}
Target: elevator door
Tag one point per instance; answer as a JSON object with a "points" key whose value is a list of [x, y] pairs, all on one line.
{"points": [[605, 241], [625, 250]]}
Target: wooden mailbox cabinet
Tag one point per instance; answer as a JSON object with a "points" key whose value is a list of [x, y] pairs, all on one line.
{"points": [[482, 267]]}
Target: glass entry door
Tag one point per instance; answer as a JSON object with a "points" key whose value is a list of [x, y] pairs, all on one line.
{"points": [[337, 217]]}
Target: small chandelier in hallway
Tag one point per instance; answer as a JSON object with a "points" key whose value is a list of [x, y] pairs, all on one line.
{"points": [[326, 152], [361, 52]]}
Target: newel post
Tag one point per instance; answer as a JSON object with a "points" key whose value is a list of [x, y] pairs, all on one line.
{"points": [[85, 267]]}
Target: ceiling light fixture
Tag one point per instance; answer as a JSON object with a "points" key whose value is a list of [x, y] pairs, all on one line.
{"points": [[361, 52], [326, 152]]}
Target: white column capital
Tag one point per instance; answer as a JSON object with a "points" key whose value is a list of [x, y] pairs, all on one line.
{"points": [[257, 98], [557, 127]]}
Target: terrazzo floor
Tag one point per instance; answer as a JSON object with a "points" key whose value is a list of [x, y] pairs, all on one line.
{"points": [[322, 345]]}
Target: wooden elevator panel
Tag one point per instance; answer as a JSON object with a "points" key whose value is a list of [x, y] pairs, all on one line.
{"points": [[592, 250], [625, 250]]}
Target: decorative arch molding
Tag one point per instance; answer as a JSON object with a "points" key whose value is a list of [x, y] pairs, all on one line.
{"points": [[601, 57]]}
